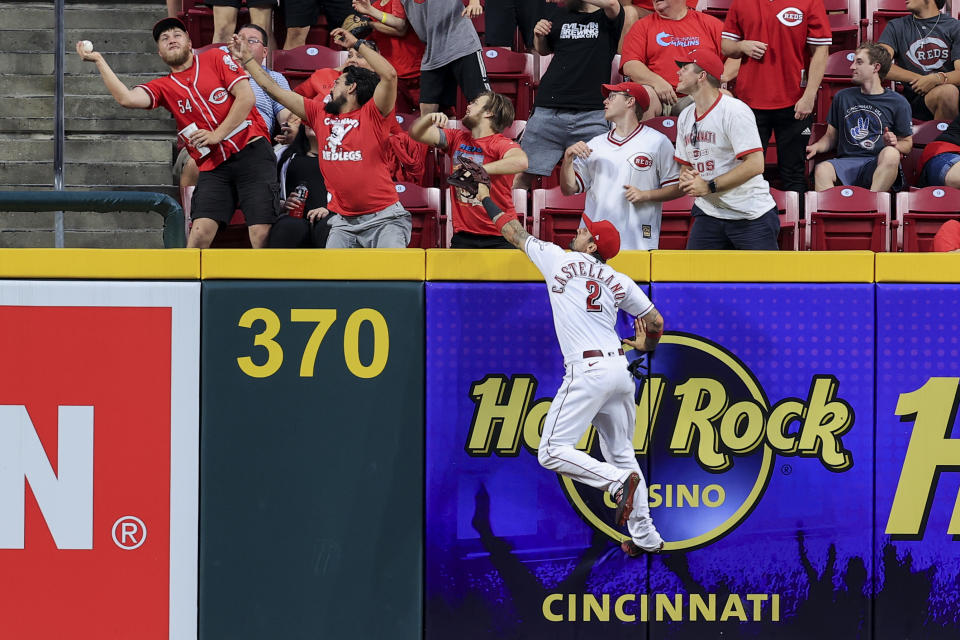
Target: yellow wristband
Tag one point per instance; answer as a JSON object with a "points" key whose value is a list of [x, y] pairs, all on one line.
{"points": [[383, 17]]}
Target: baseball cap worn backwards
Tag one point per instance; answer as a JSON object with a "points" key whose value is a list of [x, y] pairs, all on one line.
{"points": [[165, 25], [605, 236], [706, 60], [634, 89]]}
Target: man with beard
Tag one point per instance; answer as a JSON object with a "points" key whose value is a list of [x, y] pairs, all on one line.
{"points": [[352, 129], [486, 117], [212, 102], [870, 126], [321, 81], [583, 36], [925, 47]]}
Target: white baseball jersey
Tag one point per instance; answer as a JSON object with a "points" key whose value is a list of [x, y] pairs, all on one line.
{"points": [[584, 296], [644, 159], [724, 134]]}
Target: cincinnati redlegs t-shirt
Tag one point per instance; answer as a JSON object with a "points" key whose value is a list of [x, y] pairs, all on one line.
{"points": [[201, 95], [658, 42], [468, 213], [320, 83], [404, 53], [354, 156], [789, 27]]}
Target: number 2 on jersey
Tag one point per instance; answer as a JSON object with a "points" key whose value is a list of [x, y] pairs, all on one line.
{"points": [[593, 294]]}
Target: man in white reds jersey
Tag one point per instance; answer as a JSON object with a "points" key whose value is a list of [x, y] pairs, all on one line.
{"points": [[211, 100], [626, 172], [719, 149], [585, 295]]}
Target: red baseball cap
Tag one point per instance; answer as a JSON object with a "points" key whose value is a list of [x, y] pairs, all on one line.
{"points": [[635, 89], [605, 236], [706, 59]]}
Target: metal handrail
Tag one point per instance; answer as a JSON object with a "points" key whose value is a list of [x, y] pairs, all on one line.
{"points": [[174, 235]]}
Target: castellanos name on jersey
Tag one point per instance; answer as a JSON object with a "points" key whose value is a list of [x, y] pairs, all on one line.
{"points": [[571, 31]]}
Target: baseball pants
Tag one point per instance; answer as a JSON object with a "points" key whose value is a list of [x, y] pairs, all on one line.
{"points": [[601, 391]]}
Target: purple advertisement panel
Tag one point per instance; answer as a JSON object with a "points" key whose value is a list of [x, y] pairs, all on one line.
{"points": [[918, 459], [755, 432]]}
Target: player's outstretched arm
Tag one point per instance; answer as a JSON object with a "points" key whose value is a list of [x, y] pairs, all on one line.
{"points": [[648, 331], [135, 98], [513, 231], [289, 99]]}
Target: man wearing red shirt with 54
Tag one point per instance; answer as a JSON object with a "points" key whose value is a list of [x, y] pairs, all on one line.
{"points": [[486, 117], [352, 130], [783, 45]]}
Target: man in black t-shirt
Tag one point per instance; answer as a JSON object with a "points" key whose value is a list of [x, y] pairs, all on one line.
{"points": [[583, 36]]}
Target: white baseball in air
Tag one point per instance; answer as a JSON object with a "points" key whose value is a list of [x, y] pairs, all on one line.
{"points": [[87, 46]]}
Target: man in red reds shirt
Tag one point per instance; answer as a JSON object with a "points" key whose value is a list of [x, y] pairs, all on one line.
{"points": [[403, 50], [486, 117], [783, 45], [211, 100], [352, 130], [657, 40]]}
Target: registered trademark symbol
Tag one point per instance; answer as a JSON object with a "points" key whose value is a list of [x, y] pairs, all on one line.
{"points": [[129, 532], [786, 469]]}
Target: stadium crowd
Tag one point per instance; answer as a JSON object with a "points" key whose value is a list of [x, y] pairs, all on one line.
{"points": [[633, 105]]}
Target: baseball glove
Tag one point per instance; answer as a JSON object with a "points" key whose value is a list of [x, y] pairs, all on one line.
{"points": [[358, 25], [468, 175], [636, 368]]}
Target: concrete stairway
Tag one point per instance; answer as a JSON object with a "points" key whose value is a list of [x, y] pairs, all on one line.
{"points": [[107, 147]]}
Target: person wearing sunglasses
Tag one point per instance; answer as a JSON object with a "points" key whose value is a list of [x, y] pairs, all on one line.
{"points": [[721, 159]]}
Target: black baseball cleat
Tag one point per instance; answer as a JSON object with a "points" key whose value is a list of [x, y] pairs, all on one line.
{"points": [[624, 498], [634, 550]]}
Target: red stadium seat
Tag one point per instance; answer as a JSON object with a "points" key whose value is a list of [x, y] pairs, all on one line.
{"points": [[511, 74], [675, 223], [519, 203], [925, 132], [835, 77], [559, 215], [921, 212], [198, 19], [844, 18], [423, 203], [848, 218], [788, 203], [299, 64], [406, 120], [667, 125], [878, 13], [615, 75], [716, 8]]}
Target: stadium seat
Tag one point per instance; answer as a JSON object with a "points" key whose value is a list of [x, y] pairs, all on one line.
{"points": [[788, 204], [233, 236], [844, 18], [511, 74], [921, 212], [847, 218], [559, 215], [299, 64], [423, 203], [675, 223], [716, 8], [878, 13], [923, 134], [198, 19], [615, 75], [667, 125], [519, 203], [406, 120], [835, 77]]}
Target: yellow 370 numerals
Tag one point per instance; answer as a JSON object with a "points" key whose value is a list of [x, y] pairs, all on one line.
{"points": [[323, 319]]}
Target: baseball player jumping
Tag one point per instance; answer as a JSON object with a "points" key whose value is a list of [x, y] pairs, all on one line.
{"points": [[585, 294]]}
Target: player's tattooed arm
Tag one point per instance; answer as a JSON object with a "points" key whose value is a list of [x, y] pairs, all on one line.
{"points": [[512, 230]]}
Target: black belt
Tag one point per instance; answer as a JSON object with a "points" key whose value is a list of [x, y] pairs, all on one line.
{"points": [[597, 353]]}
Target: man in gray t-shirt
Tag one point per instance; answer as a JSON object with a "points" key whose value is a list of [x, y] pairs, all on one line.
{"points": [[925, 47], [453, 56], [870, 127]]}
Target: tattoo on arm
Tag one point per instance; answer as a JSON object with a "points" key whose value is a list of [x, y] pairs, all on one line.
{"points": [[515, 234]]}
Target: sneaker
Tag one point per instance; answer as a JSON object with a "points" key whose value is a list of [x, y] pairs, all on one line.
{"points": [[624, 498], [634, 550]]}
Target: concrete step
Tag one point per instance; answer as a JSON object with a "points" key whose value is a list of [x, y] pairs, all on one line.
{"points": [[165, 188], [81, 220], [87, 148], [42, 64], [88, 84], [96, 106], [106, 41], [41, 15], [44, 239], [154, 125], [126, 173]]}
